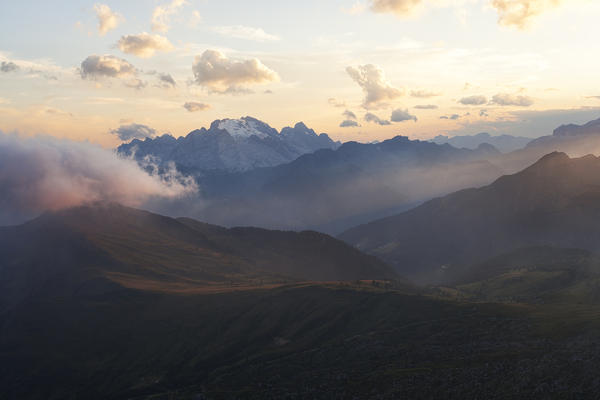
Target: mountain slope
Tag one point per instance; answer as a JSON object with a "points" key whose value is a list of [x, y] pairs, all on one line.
{"points": [[229, 145], [554, 202], [99, 248]]}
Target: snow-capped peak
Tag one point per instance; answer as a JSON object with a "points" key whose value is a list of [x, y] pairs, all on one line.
{"points": [[245, 127]]}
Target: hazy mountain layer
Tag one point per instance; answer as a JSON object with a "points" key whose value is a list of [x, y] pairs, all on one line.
{"points": [[504, 143], [331, 190], [553, 202]]}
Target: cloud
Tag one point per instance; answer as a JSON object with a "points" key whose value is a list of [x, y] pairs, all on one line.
{"points": [[593, 97], [370, 117], [423, 94], [402, 115], [133, 131], [483, 113], [349, 114], [8, 66], [46, 173], [135, 83], [107, 19], [95, 66], [397, 7], [452, 117], [349, 124], [504, 99], [519, 13], [143, 45], [246, 32], [219, 74], [426, 107], [473, 100], [336, 103], [166, 80], [192, 106], [372, 80], [161, 15], [528, 123]]}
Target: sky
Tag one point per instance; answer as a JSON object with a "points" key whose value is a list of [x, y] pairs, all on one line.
{"points": [[357, 69]]}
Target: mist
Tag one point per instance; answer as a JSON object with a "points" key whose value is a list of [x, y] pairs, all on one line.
{"points": [[43, 173]]}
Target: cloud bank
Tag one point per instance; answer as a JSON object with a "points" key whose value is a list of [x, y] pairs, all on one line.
{"points": [[473, 100], [219, 74], [503, 99], [45, 173], [144, 45], [372, 80]]}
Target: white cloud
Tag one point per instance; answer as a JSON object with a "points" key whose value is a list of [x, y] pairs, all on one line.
{"points": [[107, 19], [519, 13], [45, 173], [144, 45], [95, 66], [504, 99], [402, 115], [372, 80], [397, 7], [426, 107], [193, 106], [246, 32], [161, 15], [219, 74]]}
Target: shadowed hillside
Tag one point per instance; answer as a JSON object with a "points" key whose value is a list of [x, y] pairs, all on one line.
{"points": [[98, 248]]}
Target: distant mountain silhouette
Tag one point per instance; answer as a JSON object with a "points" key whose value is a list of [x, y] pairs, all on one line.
{"points": [[230, 145], [504, 143], [554, 202]]}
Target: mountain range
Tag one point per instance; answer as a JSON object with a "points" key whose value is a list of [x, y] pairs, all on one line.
{"points": [[504, 143], [331, 190], [229, 145], [554, 202]]}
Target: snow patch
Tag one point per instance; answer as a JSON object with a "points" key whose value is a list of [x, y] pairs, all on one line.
{"points": [[241, 128]]}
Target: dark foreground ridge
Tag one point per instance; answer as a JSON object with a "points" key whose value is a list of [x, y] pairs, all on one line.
{"points": [[108, 302]]}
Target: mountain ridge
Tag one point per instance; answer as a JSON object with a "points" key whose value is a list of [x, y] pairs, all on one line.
{"points": [[230, 145]]}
